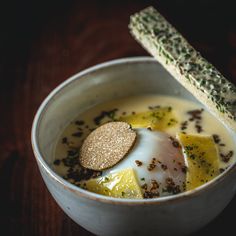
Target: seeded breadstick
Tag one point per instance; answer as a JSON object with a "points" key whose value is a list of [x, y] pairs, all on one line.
{"points": [[194, 72]]}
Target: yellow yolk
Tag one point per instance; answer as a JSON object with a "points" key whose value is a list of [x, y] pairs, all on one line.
{"points": [[122, 184], [201, 157], [160, 118]]}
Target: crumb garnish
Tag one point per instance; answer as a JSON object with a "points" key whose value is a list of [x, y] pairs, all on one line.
{"points": [[152, 165], [171, 187], [64, 140], [152, 191], [216, 138], [164, 167], [138, 163], [226, 157], [184, 125], [174, 142], [109, 114], [57, 162], [195, 116], [144, 186], [79, 122], [77, 134], [154, 185]]}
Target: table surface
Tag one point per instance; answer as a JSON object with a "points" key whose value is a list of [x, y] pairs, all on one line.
{"points": [[45, 42]]}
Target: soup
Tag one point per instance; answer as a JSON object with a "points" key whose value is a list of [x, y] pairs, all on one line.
{"points": [[178, 146]]}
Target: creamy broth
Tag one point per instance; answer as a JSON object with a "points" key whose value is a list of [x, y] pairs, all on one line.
{"points": [[72, 137]]}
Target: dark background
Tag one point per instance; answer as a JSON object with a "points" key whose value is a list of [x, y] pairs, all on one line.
{"points": [[42, 43]]}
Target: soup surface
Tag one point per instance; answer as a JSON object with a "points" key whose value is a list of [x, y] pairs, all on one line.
{"points": [[179, 146]]}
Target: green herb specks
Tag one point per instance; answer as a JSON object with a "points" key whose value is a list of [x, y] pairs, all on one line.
{"points": [[173, 51]]}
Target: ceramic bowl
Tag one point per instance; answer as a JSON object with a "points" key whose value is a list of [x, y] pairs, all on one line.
{"points": [[172, 215]]}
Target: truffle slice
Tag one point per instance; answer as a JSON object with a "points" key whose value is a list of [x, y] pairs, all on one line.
{"points": [[107, 145]]}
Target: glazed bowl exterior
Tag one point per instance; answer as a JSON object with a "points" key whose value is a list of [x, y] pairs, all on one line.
{"points": [[173, 215]]}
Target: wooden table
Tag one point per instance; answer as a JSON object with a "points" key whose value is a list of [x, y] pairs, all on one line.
{"points": [[45, 42]]}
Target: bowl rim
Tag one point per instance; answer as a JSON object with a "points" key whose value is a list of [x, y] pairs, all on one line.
{"points": [[94, 196]]}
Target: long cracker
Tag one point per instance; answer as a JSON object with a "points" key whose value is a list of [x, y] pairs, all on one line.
{"points": [[186, 65]]}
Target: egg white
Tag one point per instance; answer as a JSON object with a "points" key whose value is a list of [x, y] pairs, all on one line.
{"points": [[158, 145]]}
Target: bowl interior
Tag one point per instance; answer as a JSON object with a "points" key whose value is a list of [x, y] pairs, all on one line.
{"points": [[107, 81]]}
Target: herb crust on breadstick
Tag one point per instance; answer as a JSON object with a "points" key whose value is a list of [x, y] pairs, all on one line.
{"points": [[194, 72]]}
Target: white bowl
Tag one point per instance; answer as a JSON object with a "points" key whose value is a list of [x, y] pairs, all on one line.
{"points": [[172, 215]]}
